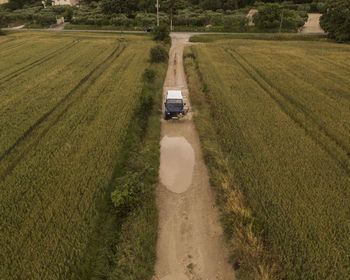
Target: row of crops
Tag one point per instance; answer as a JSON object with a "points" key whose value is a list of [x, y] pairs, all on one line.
{"points": [[281, 113], [66, 103]]}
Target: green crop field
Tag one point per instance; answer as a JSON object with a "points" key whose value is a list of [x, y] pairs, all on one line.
{"points": [[66, 102], [280, 111]]}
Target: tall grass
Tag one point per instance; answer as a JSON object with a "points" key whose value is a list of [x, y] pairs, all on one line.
{"points": [[279, 155]]}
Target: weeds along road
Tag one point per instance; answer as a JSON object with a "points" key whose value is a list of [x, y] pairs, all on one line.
{"points": [[190, 238]]}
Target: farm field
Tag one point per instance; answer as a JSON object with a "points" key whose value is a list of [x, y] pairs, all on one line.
{"points": [[66, 103], [280, 111]]}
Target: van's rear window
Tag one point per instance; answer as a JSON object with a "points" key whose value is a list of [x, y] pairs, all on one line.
{"points": [[174, 101]]}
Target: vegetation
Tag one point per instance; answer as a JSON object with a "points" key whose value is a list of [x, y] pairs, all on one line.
{"points": [[67, 139], [192, 15], [274, 126], [259, 36], [35, 14], [269, 17], [158, 54], [336, 20], [127, 251], [161, 33]]}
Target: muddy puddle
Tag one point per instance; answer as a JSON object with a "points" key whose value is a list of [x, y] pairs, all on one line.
{"points": [[176, 163]]}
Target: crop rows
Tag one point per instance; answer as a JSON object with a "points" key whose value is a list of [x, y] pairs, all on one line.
{"points": [[58, 162], [282, 116]]}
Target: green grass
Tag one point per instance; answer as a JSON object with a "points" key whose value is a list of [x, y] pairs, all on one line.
{"points": [[68, 102], [208, 38], [280, 154], [102, 27]]}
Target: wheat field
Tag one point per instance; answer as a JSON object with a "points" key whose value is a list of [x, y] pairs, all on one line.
{"points": [[66, 103], [279, 112]]}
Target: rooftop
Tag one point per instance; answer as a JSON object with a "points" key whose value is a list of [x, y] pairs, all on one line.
{"points": [[174, 94]]}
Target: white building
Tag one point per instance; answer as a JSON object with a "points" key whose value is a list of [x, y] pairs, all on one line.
{"points": [[64, 2]]}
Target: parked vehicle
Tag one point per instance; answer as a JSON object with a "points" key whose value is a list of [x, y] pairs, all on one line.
{"points": [[174, 105], [149, 29]]}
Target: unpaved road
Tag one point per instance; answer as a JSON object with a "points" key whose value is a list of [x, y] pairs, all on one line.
{"points": [[190, 238], [312, 26]]}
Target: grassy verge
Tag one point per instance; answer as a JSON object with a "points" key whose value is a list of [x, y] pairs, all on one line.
{"points": [[102, 27], [124, 243], [207, 38], [249, 257]]}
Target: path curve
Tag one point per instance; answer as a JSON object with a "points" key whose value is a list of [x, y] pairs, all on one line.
{"points": [[190, 239]]}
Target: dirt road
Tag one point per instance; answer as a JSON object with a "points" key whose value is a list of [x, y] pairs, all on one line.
{"points": [[190, 239], [312, 26]]}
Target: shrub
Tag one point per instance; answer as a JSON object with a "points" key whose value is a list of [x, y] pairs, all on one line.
{"points": [[321, 7], [235, 23], [304, 7], [336, 19], [68, 13], [2, 23], [121, 20], [149, 75], [158, 54], [269, 17], [161, 33], [146, 101], [293, 20], [144, 20], [128, 192], [45, 18]]}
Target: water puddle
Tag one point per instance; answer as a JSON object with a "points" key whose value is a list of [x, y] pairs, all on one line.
{"points": [[176, 163]]}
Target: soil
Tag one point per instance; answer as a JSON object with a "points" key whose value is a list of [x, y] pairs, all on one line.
{"points": [[190, 238], [312, 26]]}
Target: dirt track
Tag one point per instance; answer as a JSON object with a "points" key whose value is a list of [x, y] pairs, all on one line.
{"points": [[190, 238], [312, 26]]}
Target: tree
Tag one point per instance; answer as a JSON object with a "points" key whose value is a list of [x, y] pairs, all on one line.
{"points": [[161, 33], [336, 19], [2, 23], [211, 5], [113, 6], [269, 16], [146, 5]]}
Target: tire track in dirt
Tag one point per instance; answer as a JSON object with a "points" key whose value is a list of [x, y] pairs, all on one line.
{"points": [[88, 79], [268, 87], [190, 238], [38, 62], [11, 48]]}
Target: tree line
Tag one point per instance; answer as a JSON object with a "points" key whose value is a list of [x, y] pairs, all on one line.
{"points": [[129, 6]]}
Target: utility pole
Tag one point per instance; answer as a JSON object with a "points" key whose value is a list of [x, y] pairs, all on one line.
{"points": [[171, 14], [157, 6], [281, 21]]}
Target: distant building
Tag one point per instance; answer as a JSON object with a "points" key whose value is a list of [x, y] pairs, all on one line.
{"points": [[64, 2], [250, 16], [3, 1]]}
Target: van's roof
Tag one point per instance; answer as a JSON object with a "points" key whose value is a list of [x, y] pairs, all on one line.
{"points": [[174, 94]]}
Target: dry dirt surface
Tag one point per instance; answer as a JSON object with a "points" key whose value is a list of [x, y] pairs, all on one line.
{"points": [[190, 238], [312, 26]]}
